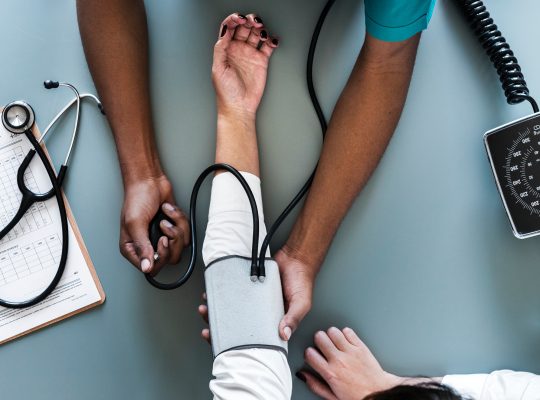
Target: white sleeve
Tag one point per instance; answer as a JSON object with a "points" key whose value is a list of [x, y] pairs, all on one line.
{"points": [[251, 373], [230, 221], [504, 384]]}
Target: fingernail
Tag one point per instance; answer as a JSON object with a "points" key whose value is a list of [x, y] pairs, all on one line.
{"points": [[264, 34], [167, 206], [257, 20], [300, 376], [241, 16], [288, 332], [223, 31], [145, 265], [166, 223], [166, 241], [275, 42]]}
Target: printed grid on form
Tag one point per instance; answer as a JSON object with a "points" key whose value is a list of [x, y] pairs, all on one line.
{"points": [[10, 196], [21, 261]]}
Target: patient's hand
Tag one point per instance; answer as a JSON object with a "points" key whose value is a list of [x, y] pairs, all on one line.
{"points": [[241, 57]]}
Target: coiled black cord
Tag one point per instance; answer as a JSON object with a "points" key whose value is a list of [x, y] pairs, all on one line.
{"points": [[499, 52]]}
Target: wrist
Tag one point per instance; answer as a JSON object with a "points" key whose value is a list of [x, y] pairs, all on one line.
{"points": [[392, 380], [236, 123], [401, 380], [135, 171], [234, 115], [303, 246], [310, 265]]}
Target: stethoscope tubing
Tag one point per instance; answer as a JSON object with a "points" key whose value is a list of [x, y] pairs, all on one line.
{"points": [[65, 233], [29, 198]]}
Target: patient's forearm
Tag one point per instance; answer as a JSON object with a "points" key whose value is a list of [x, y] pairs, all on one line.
{"points": [[115, 39], [362, 124], [236, 143]]}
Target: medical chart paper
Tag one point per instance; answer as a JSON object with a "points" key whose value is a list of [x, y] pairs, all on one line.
{"points": [[29, 254]]}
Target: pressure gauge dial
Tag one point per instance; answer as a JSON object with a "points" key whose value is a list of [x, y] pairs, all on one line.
{"points": [[514, 153], [18, 117]]}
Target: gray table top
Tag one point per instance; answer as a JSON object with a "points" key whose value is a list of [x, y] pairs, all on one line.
{"points": [[425, 267]]}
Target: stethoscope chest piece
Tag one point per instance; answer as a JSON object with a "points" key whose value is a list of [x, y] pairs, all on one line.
{"points": [[18, 117]]}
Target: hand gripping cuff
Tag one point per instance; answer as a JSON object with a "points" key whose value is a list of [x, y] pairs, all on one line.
{"points": [[243, 314]]}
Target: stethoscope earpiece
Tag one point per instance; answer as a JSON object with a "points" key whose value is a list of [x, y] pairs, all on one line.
{"points": [[51, 84]]}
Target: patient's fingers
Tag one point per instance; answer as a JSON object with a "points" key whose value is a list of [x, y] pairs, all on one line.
{"points": [[228, 26], [257, 38], [242, 32], [227, 30], [269, 46]]}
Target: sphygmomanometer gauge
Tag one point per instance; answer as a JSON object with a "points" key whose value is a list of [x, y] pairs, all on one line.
{"points": [[514, 153]]}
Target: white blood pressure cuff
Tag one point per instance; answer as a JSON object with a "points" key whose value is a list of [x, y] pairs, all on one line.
{"points": [[243, 314]]}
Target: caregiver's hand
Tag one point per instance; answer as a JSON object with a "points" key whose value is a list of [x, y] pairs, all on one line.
{"points": [[143, 198], [240, 66], [297, 279]]}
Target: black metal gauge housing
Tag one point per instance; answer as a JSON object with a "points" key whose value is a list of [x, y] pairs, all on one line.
{"points": [[514, 154]]}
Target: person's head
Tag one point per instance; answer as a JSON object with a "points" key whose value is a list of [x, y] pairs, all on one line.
{"points": [[423, 391]]}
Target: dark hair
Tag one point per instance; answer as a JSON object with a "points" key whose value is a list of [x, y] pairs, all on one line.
{"points": [[422, 391]]}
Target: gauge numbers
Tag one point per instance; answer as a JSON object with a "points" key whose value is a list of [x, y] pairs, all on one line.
{"points": [[514, 153]]}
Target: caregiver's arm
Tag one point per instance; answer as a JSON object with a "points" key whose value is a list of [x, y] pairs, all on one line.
{"points": [[363, 121], [115, 39]]}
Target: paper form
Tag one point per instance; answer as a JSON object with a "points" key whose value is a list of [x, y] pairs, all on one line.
{"points": [[30, 253]]}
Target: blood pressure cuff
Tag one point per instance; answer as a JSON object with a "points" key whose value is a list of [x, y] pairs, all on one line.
{"points": [[243, 314]]}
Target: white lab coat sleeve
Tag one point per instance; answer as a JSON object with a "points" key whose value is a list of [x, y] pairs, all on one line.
{"points": [[251, 373], [504, 384]]}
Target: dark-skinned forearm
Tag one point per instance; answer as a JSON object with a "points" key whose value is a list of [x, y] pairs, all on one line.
{"points": [[362, 124], [115, 39]]}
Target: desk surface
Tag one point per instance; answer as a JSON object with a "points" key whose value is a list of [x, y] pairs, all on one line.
{"points": [[424, 267]]}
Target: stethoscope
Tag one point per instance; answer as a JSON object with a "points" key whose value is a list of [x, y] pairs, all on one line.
{"points": [[18, 118]]}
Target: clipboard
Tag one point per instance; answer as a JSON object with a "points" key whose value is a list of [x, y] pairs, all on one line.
{"points": [[88, 270]]}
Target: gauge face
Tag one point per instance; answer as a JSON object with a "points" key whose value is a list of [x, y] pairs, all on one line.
{"points": [[18, 117], [514, 153]]}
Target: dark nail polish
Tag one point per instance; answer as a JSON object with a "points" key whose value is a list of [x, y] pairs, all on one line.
{"points": [[257, 20], [264, 34], [275, 42], [223, 31], [241, 16], [300, 376]]}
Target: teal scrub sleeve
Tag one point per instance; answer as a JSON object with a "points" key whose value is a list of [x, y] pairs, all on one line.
{"points": [[397, 20]]}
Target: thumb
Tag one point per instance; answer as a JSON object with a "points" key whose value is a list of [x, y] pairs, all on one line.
{"points": [[138, 231], [298, 306], [318, 387]]}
